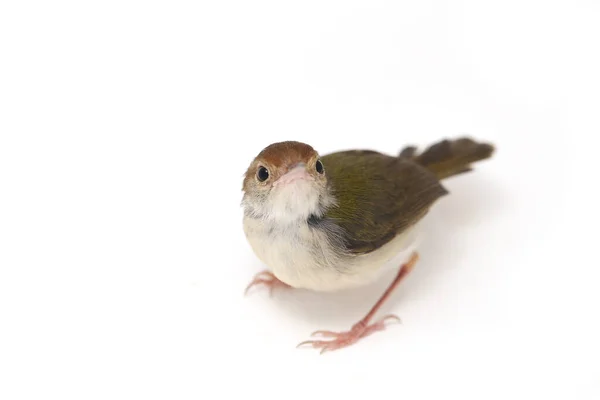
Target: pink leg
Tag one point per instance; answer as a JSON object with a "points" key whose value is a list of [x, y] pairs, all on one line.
{"points": [[363, 328], [268, 279]]}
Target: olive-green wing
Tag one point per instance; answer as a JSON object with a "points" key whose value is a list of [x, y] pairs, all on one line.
{"points": [[378, 195]]}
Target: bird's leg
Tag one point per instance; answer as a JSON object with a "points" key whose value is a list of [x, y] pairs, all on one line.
{"points": [[268, 279], [364, 327]]}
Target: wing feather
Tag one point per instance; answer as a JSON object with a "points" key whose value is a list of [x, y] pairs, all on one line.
{"points": [[378, 196]]}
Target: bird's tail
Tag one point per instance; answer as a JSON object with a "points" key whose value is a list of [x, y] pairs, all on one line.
{"points": [[449, 157]]}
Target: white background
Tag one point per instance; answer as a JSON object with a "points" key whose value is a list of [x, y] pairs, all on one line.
{"points": [[125, 130]]}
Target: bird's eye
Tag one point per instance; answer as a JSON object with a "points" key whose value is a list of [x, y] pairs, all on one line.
{"points": [[319, 166], [262, 174]]}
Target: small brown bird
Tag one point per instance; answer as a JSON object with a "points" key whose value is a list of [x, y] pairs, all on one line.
{"points": [[340, 220]]}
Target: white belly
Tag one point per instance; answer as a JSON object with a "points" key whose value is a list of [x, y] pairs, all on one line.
{"points": [[301, 256]]}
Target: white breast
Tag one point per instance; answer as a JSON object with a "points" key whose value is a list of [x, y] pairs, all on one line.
{"points": [[302, 256]]}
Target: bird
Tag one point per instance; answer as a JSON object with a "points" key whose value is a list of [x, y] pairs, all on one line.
{"points": [[338, 221]]}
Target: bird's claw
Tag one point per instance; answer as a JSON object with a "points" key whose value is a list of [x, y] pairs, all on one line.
{"points": [[268, 279], [344, 339]]}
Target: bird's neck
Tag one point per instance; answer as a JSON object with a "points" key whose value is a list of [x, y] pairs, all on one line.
{"points": [[290, 207]]}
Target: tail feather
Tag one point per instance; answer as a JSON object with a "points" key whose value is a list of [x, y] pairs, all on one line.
{"points": [[450, 157]]}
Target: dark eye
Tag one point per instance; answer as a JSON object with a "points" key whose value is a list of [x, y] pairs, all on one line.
{"points": [[262, 174], [319, 166]]}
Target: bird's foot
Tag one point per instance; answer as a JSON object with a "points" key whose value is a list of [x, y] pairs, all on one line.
{"points": [[343, 339], [268, 279]]}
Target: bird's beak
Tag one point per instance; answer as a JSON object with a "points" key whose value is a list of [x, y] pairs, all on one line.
{"points": [[298, 172]]}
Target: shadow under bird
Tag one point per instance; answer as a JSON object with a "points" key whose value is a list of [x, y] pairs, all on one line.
{"points": [[338, 221]]}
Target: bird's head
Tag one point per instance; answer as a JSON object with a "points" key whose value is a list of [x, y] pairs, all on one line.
{"points": [[286, 182]]}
